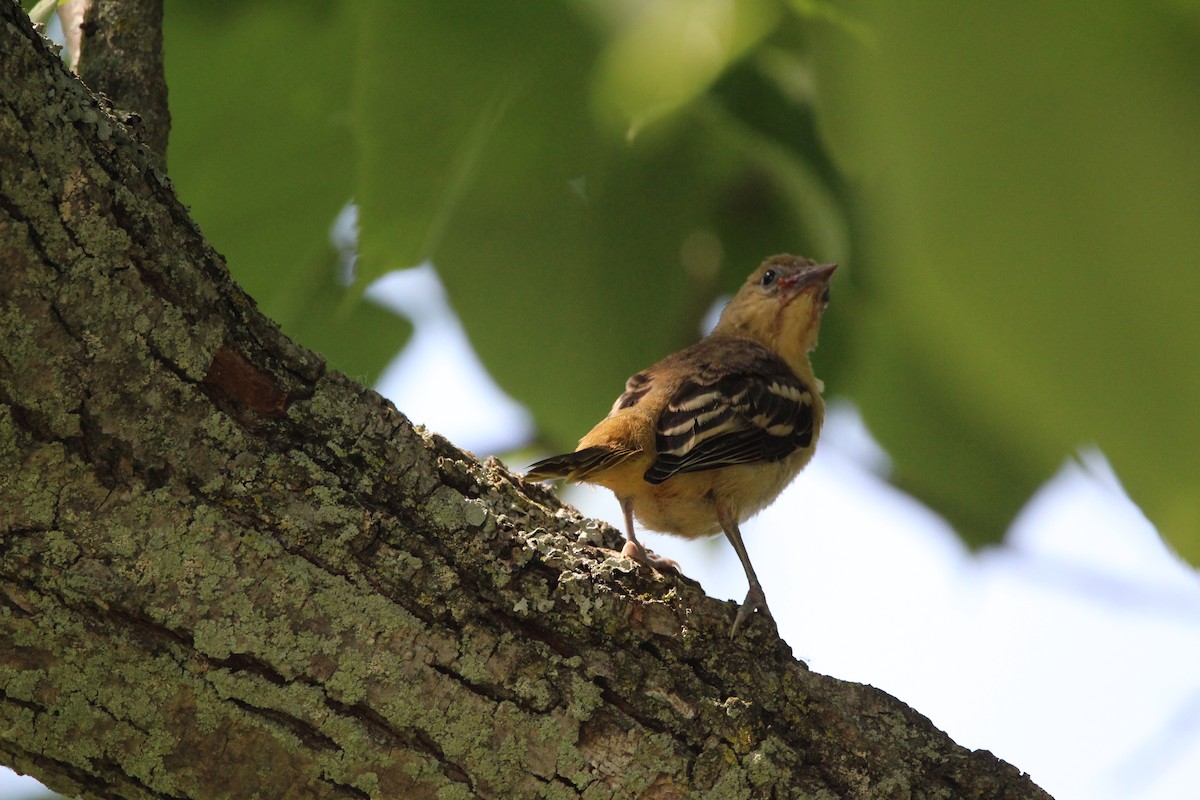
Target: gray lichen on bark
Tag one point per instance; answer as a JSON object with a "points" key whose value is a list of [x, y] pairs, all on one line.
{"points": [[116, 47], [227, 571]]}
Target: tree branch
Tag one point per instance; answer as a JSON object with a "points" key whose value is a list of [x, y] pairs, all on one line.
{"points": [[120, 53], [227, 571]]}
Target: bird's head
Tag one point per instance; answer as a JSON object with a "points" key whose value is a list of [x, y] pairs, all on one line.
{"points": [[780, 305]]}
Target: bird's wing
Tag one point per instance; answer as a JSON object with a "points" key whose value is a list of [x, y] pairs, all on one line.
{"points": [[637, 387], [756, 412]]}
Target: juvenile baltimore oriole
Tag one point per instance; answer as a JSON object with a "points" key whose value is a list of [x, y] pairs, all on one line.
{"points": [[710, 436]]}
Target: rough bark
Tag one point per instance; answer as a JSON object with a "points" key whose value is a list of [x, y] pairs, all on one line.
{"points": [[120, 54], [227, 571]]}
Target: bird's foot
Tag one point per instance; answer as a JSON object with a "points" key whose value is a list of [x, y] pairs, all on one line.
{"points": [[635, 551], [755, 601]]}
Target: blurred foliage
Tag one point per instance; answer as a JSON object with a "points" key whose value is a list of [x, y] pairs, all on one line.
{"points": [[1032, 184], [1013, 191], [575, 251], [262, 149]]}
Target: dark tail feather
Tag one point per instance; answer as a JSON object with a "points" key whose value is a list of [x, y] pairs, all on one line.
{"points": [[578, 465]]}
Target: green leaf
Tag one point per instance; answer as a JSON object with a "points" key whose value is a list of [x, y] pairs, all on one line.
{"points": [[262, 150], [1030, 174], [354, 334], [661, 56]]}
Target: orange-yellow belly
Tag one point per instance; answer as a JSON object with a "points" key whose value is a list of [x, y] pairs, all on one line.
{"points": [[685, 504]]}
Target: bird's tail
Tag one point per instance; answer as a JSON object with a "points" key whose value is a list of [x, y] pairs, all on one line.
{"points": [[579, 465]]}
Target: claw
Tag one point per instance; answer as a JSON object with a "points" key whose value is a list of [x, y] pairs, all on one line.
{"points": [[755, 601], [635, 551]]}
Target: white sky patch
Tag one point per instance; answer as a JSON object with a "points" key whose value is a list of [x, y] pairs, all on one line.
{"points": [[437, 380]]}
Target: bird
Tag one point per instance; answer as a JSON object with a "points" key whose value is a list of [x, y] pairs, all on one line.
{"points": [[709, 436]]}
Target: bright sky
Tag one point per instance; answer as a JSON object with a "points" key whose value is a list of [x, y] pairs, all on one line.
{"points": [[1073, 651]]}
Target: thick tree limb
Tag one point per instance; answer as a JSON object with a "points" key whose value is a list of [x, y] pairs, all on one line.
{"points": [[226, 571]]}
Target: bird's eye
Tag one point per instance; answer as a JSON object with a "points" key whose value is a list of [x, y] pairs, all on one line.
{"points": [[769, 277]]}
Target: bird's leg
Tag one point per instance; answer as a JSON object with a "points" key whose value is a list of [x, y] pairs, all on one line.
{"points": [[755, 599], [633, 548]]}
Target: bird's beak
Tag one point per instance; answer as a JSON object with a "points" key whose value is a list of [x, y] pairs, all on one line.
{"points": [[816, 275]]}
